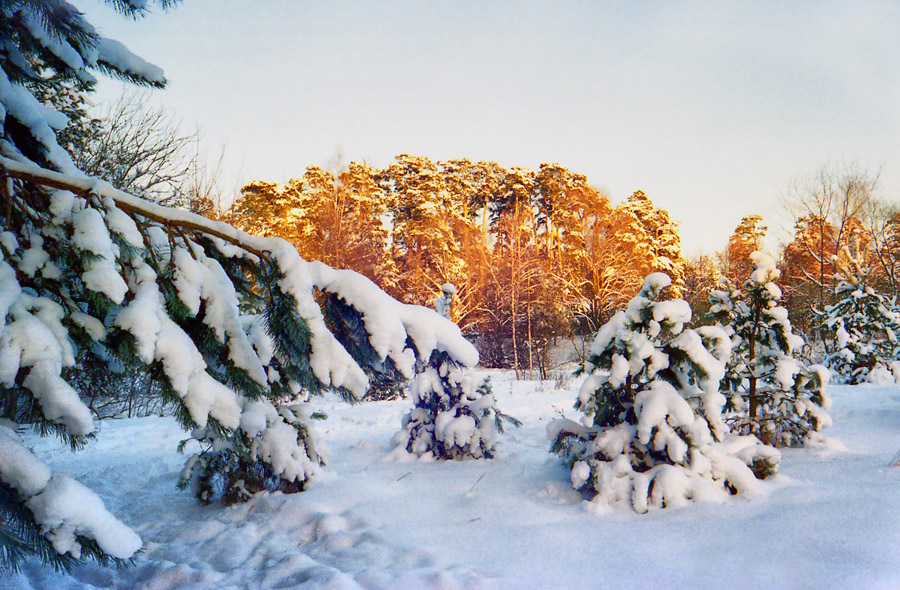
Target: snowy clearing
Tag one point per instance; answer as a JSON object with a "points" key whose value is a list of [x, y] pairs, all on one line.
{"points": [[830, 520]]}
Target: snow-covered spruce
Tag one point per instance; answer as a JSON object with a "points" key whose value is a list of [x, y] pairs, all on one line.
{"points": [[771, 393], [861, 327], [452, 417], [444, 303], [652, 434]]}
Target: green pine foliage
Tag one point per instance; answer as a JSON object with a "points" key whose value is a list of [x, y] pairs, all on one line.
{"points": [[230, 333], [452, 417], [386, 382], [861, 327], [651, 434], [771, 393]]}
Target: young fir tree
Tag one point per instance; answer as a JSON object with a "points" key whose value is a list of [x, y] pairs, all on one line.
{"points": [[229, 326], [652, 434], [444, 303], [770, 392], [452, 417], [863, 326]]}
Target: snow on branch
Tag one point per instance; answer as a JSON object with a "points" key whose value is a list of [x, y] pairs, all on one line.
{"points": [[65, 511], [388, 321]]}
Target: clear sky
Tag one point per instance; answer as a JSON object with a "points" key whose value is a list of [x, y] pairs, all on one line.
{"points": [[713, 108]]}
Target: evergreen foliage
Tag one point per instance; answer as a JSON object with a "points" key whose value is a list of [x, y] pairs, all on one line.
{"points": [[452, 417], [652, 434], [862, 326], [386, 381], [49, 273], [533, 254], [746, 239], [233, 331], [664, 238], [771, 393]]}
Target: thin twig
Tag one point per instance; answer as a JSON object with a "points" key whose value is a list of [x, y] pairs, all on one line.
{"points": [[469, 493]]}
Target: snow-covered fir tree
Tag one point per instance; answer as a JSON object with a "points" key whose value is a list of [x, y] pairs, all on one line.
{"points": [[230, 326], [652, 434], [771, 393], [453, 416], [861, 327]]}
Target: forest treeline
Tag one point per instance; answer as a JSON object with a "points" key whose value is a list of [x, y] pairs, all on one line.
{"points": [[538, 255], [533, 254]]}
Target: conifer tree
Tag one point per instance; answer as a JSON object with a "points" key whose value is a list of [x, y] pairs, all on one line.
{"points": [[770, 392], [230, 326], [652, 428], [862, 326], [701, 277], [467, 268], [614, 261], [453, 416], [426, 254], [808, 268], [665, 240], [746, 239], [267, 210]]}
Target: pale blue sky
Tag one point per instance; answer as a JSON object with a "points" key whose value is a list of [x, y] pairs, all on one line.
{"points": [[711, 107]]}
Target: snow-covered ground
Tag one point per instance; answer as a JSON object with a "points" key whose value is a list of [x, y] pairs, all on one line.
{"points": [[830, 520]]}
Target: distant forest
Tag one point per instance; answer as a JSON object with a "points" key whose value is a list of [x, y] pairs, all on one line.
{"points": [[539, 255]]}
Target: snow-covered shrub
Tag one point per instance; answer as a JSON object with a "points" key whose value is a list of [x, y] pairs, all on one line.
{"points": [[452, 417], [861, 327], [652, 434], [770, 392], [229, 326]]}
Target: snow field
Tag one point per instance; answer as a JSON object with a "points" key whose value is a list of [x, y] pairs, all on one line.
{"points": [[831, 519]]}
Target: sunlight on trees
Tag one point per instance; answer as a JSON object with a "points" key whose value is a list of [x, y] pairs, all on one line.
{"points": [[535, 255]]}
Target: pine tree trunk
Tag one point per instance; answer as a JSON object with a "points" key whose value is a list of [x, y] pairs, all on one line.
{"points": [[754, 399], [530, 343], [514, 340]]}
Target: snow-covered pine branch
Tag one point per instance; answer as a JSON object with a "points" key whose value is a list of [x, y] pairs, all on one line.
{"points": [[227, 320], [652, 434], [93, 279], [69, 521], [47, 331]]}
